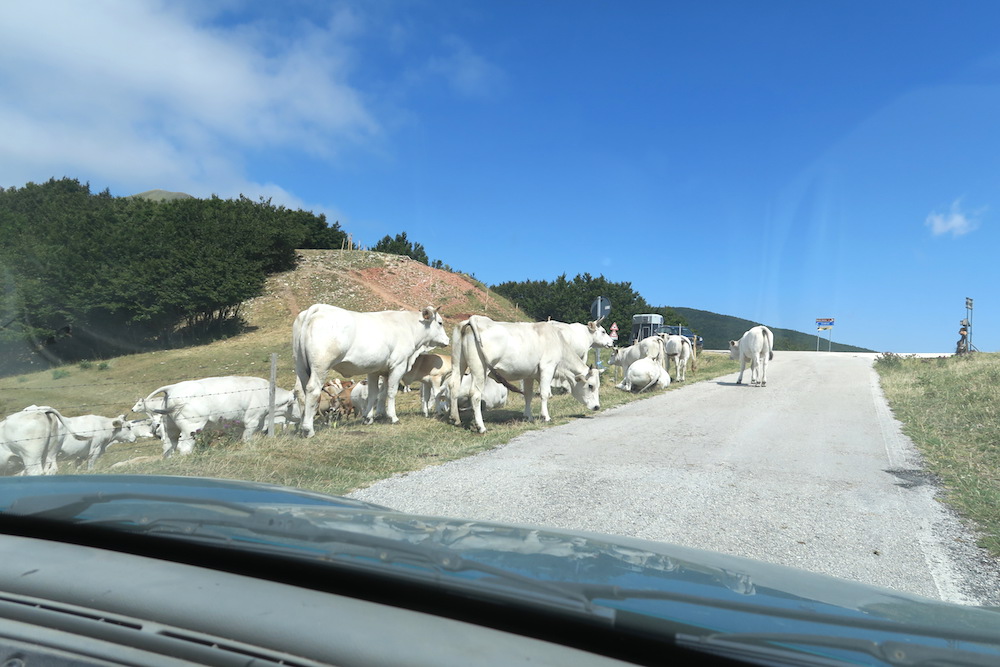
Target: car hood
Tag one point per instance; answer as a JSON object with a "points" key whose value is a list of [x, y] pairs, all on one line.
{"points": [[664, 586]]}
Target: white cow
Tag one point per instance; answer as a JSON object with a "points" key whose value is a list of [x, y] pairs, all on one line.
{"points": [[646, 373], [679, 349], [145, 428], [102, 430], [757, 347], [359, 397], [582, 337], [33, 435], [381, 343], [494, 395], [624, 357], [192, 405], [511, 351], [432, 370]]}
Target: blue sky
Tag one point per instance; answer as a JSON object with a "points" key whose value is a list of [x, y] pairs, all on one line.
{"points": [[775, 161]]}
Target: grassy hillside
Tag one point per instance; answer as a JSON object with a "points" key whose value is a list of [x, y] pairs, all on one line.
{"points": [[718, 330], [357, 280]]}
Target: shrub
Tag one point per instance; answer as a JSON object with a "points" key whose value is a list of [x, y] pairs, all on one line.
{"points": [[222, 434], [59, 374], [888, 361], [86, 365]]}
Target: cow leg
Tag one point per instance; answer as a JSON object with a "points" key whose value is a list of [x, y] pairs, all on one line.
{"points": [[317, 380], [368, 416], [544, 393], [763, 370], [391, 388], [528, 387], [476, 399], [743, 366]]}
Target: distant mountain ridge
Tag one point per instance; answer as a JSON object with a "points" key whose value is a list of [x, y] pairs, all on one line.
{"points": [[718, 330]]}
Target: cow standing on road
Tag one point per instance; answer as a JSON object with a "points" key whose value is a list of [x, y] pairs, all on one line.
{"points": [[757, 347]]}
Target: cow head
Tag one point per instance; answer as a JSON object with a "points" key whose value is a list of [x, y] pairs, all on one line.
{"points": [[599, 335], [734, 350], [437, 335], [122, 429], [587, 388]]}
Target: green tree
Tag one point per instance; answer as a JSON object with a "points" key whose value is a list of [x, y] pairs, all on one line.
{"points": [[402, 246], [101, 275], [570, 300]]}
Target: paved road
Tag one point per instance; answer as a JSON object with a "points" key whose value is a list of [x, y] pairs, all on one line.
{"points": [[810, 471]]}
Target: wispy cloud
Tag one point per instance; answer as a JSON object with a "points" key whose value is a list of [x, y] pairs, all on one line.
{"points": [[955, 222]]}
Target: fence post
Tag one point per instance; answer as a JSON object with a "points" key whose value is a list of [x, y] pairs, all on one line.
{"points": [[270, 394]]}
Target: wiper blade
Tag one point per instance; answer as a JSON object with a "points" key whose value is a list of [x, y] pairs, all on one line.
{"points": [[68, 506], [773, 646]]}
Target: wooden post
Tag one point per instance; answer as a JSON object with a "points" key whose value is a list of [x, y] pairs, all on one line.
{"points": [[270, 395]]}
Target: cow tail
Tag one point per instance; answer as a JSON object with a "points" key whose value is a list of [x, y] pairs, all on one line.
{"points": [[493, 373], [770, 344], [59, 418]]}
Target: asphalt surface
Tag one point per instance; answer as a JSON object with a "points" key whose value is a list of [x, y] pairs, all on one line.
{"points": [[810, 471]]}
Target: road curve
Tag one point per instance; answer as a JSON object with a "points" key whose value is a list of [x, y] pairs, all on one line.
{"points": [[810, 471]]}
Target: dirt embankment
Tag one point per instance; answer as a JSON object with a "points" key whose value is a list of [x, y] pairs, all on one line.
{"points": [[368, 281]]}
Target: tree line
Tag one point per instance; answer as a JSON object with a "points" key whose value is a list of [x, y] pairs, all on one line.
{"points": [[103, 275], [570, 300]]}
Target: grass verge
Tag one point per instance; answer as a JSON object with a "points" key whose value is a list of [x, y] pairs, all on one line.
{"points": [[950, 408], [348, 456]]}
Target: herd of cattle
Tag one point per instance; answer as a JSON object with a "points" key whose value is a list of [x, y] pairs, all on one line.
{"points": [[392, 350]]}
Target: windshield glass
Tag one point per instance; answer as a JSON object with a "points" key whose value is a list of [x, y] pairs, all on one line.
{"points": [[701, 275]]}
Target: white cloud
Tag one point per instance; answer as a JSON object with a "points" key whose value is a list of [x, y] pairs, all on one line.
{"points": [[143, 92], [955, 221]]}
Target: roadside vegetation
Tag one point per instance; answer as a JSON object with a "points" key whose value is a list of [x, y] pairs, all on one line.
{"points": [[338, 459], [950, 408]]}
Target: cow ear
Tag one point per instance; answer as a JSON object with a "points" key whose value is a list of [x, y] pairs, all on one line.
{"points": [[592, 326], [428, 312]]}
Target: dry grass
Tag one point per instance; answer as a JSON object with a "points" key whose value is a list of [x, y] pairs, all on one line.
{"points": [[950, 408]]}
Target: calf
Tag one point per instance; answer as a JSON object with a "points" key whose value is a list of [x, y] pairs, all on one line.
{"points": [[494, 395], [646, 373], [679, 349], [102, 432], [624, 357], [430, 370]]}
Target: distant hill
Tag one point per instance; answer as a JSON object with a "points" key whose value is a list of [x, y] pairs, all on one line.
{"points": [[718, 330], [162, 195]]}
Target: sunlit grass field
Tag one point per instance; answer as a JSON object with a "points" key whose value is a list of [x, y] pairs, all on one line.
{"points": [[950, 408]]}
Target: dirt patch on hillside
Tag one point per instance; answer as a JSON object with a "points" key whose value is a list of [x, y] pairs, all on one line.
{"points": [[368, 281]]}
